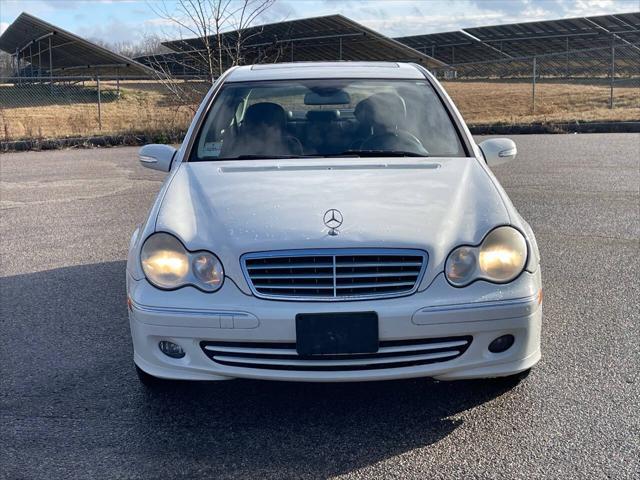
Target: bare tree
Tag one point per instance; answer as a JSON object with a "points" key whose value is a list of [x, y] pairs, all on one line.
{"points": [[243, 18], [6, 66], [213, 33], [148, 45]]}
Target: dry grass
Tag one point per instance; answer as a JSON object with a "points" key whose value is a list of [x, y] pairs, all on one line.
{"points": [[493, 102], [141, 107], [144, 106]]}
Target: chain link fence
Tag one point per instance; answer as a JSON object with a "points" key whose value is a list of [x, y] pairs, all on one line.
{"points": [[600, 84], [44, 107], [588, 85]]}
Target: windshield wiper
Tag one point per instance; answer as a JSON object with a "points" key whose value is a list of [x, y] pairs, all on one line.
{"points": [[377, 153]]}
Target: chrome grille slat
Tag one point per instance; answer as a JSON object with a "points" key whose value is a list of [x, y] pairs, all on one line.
{"points": [[292, 276], [292, 351], [251, 351], [375, 285], [421, 347], [375, 274], [391, 354], [291, 265], [295, 287], [373, 265], [335, 363], [336, 274]]}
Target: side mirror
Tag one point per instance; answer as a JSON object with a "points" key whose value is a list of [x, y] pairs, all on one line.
{"points": [[497, 151], [157, 157]]}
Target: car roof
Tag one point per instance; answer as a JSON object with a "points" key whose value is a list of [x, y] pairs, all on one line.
{"points": [[309, 70]]}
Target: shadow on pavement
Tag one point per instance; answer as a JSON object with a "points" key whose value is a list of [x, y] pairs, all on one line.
{"points": [[71, 398]]}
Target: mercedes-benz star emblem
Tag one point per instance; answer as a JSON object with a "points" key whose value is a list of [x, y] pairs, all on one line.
{"points": [[333, 220]]}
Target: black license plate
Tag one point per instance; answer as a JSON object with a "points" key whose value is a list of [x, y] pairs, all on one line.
{"points": [[336, 333]]}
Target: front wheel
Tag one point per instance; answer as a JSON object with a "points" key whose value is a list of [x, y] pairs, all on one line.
{"points": [[150, 381], [512, 380]]}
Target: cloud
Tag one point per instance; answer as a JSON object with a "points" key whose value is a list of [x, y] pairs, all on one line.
{"points": [[581, 8], [404, 17], [160, 22], [112, 31], [129, 20], [409, 25], [279, 12]]}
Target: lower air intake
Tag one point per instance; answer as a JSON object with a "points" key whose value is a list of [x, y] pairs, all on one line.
{"points": [[283, 356]]}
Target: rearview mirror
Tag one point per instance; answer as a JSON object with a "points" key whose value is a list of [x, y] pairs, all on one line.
{"points": [[157, 157], [328, 97], [497, 151]]}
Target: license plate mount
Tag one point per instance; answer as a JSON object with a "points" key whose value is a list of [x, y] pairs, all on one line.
{"points": [[341, 333]]}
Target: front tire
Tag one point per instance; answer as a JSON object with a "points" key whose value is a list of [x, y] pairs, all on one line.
{"points": [[522, 375], [149, 381], [511, 381]]}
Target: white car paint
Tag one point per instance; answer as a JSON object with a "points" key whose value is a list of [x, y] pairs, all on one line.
{"points": [[236, 207]]}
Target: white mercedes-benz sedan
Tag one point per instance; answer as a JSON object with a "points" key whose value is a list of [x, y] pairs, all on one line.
{"points": [[332, 222]]}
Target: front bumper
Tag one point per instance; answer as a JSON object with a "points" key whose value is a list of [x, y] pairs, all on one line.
{"points": [[482, 311]]}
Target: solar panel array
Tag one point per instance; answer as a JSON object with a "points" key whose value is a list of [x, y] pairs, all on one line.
{"points": [[175, 63], [42, 48], [452, 47], [332, 37], [529, 39]]}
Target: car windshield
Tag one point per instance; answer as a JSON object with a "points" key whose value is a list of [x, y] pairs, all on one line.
{"points": [[327, 118]]}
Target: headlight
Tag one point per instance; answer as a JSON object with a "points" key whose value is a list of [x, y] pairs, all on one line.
{"points": [[207, 269], [499, 258], [503, 254], [168, 264]]}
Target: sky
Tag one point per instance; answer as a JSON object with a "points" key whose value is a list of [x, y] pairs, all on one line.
{"points": [[131, 20]]}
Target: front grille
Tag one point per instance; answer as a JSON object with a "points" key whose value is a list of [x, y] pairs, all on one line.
{"points": [[283, 356], [334, 274]]}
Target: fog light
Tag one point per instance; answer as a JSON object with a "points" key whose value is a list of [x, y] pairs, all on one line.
{"points": [[501, 344], [171, 349]]}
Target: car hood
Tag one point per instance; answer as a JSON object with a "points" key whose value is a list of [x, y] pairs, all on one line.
{"points": [[232, 208]]}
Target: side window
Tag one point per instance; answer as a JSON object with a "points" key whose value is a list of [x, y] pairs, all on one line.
{"points": [[220, 121], [242, 107]]}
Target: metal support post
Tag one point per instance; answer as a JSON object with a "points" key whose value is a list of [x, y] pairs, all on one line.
{"points": [[566, 64], [50, 66], [39, 59], [30, 61], [99, 104], [613, 72], [533, 84], [18, 63]]}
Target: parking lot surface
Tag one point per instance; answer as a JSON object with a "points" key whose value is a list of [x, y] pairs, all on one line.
{"points": [[71, 405]]}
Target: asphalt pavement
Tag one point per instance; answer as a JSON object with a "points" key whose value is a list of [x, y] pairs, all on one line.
{"points": [[72, 407]]}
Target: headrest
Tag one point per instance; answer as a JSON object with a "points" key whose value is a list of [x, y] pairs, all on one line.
{"points": [[387, 110], [363, 112], [265, 113], [321, 116]]}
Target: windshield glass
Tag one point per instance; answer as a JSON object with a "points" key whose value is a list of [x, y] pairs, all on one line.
{"points": [[353, 117]]}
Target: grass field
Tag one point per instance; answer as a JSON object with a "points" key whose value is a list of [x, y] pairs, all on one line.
{"points": [[144, 107], [509, 103], [35, 112]]}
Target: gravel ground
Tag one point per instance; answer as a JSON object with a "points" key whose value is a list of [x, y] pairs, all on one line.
{"points": [[71, 405]]}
